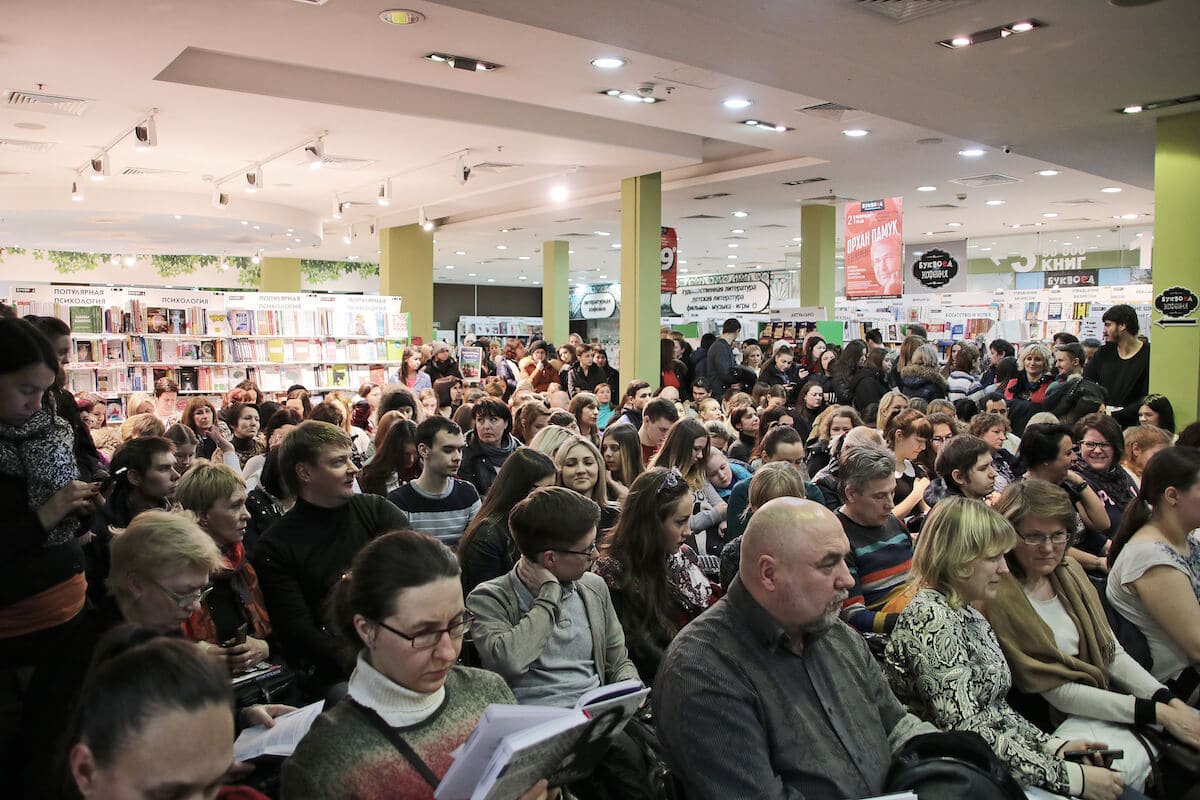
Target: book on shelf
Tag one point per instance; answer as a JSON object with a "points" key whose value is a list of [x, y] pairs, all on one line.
{"points": [[241, 322], [275, 352], [188, 379], [217, 323], [513, 747], [87, 319]]}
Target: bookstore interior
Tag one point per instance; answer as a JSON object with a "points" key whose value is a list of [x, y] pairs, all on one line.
{"points": [[140, 205]]}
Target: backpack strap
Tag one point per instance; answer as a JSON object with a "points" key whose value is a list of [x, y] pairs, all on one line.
{"points": [[393, 736]]}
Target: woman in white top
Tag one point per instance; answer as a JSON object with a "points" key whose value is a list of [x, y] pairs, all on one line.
{"points": [[1154, 578], [1057, 641]]}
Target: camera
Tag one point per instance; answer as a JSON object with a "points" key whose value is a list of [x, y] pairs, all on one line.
{"points": [[462, 172]]}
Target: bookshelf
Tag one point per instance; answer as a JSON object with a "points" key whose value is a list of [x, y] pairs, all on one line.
{"points": [[124, 339], [526, 329]]}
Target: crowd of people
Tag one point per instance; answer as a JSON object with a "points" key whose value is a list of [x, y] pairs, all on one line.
{"points": [[813, 550]]}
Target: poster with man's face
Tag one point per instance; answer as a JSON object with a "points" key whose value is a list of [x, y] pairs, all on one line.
{"points": [[874, 248]]}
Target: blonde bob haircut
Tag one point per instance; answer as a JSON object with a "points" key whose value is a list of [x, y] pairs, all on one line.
{"points": [[958, 532], [600, 490], [1036, 349], [141, 425], [550, 438], [204, 484], [156, 545]]}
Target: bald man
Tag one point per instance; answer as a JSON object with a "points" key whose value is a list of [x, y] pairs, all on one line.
{"points": [[829, 478], [772, 671]]}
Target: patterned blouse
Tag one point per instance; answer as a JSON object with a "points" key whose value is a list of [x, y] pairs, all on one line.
{"points": [[947, 667]]}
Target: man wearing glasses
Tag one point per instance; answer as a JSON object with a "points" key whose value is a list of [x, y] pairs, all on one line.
{"points": [[548, 627]]}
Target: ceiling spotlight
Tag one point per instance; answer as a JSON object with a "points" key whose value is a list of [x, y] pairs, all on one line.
{"points": [[926, 188], [338, 207], [401, 16], [314, 154], [738, 230], [602, 233], [76, 195], [1050, 214], [644, 94], [994, 203], [737, 102], [766, 126], [609, 62], [145, 136], [425, 222], [1047, 173], [219, 198], [1131, 110], [733, 244], [98, 167], [953, 224], [559, 193], [990, 34], [1129, 216], [1021, 27], [741, 214], [855, 133], [384, 196], [254, 180], [1111, 189], [971, 152], [256, 258], [960, 41], [462, 62]]}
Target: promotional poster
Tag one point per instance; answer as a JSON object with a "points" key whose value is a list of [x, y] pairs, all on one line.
{"points": [[875, 248]]}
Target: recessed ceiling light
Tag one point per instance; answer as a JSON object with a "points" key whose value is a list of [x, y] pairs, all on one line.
{"points": [[985, 249], [994, 203], [460, 252], [682, 261], [602, 233], [522, 278], [401, 16], [971, 152], [682, 270], [953, 224], [1021, 27], [523, 258], [602, 277], [926, 188], [733, 244], [766, 126], [179, 216], [855, 133], [1131, 110], [737, 102], [559, 193], [960, 41], [615, 245], [501, 247], [449, 266], [462, 62], [1047, 173], [732, 257], [741, 214], [570, 252], [1050, 214], [491, 280], [929, 233], [738, 230], [470, 274], [1129, 216], [796, 239], [1111, 189], [609, 62]]}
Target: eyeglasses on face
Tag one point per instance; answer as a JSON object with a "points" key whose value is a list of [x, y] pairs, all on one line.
{"points": [[1037, 540], [940, 439], [591, 552], [1086, 445], [187, 598], [430, 639]]}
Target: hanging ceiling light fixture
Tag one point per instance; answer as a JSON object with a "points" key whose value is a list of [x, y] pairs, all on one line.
{"points": [[254, 179], [145, 136], [76, 195], [314, 154], [98, 167], [384, 197], [425, 222]]}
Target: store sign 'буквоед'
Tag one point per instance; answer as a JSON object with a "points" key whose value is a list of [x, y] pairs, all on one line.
{"points": [[1177, 301]]}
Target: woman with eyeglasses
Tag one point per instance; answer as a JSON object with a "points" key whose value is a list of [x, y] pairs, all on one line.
{"points": [[654, 577], [1072, 674], [401, 608], [1101, 448]]}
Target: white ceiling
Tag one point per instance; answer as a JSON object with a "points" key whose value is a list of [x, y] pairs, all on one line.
{"points": [[237, 81]]}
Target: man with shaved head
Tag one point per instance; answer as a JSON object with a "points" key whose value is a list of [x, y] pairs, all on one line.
{"points": [[773, 669]]}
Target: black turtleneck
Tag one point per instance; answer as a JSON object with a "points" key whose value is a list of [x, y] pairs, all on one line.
{"points": [[298, 561]]}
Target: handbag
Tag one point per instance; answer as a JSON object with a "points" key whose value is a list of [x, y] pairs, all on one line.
{"points": [[949, 766], [273, 683]]}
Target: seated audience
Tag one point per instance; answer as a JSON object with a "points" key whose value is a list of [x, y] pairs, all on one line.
{"points": [[1142, 443], [438, 502], [581, 469], [656, 584], [964, 467], [943, 660], [869, 383], [1098, 463], [233, 609], [549, 439], [993, 429], [185, 442], [780, 444], [278, 425], [685, 449], [400, 607], [586, 410], [1058, 643], [303, 555], [622, 452], [396, 461], [963, 375], [772, 671], [1156, 409], [243, 424], [637, 394], [723, 475], [745, 422], [922, 377], [487, 549], [881, 549], [1155, 567], [658, 416], [828, 480], [267, 502], [907, 435], [488, 443], [890, 405], [832, 422], [775, 479]]}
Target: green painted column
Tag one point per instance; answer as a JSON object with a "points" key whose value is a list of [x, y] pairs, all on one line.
{"points": [[818, 234], [279, 275], [1174, 366], [556, 306], [641, 243], [406, 270]]}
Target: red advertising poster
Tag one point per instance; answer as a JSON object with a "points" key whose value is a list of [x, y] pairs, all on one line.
{"points": [[669, 260], [875, 248]]}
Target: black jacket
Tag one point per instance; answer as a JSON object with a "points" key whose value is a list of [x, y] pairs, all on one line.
{"points": [[580, 381], [720, 366], [480, 467], [867, 388], [918, 380], [446, 369]]}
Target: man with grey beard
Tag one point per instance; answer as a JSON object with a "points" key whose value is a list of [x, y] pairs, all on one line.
{"points": [[767, 694]]}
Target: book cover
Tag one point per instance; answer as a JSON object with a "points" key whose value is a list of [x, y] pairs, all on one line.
{"points": [[242, 322], [177, 320], [187, 379], [156, 320], [86, 319], [85, 351], [300, 350], [275, 351], [218, 323]]}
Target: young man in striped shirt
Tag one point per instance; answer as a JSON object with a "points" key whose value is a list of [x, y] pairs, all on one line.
{"points": [[438, 502], [881, 549]]}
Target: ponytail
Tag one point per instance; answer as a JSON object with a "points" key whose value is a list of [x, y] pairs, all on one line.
{"points": [[1136, 515]]}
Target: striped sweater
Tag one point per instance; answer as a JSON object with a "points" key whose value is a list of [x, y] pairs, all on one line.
{"points": [[444, 517], [880, 559]]}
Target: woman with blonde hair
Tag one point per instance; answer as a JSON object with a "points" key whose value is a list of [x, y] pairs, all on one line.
{"points": [[891, 404], [1034, 377], [1142, 443], [1056, 637], [922, 376], [581, 469], [774, 479], [944, 663], [549, 439], [829, 424]]}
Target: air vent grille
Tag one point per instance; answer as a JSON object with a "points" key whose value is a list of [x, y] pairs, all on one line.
{"points": [[804, 181], [149, 171], [20, 146], [985, 181], [1081, 202], [703, 216], [47, 103], [943, 206], [347, 164], [492, 166], [772, 225], [908, 10], [712, 196], [833, 112]]}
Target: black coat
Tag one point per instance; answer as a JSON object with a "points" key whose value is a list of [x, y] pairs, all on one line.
{"points": [[867, 388], [481, 467]]}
